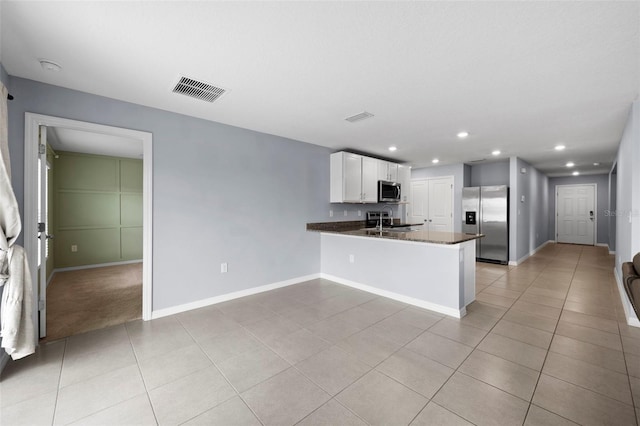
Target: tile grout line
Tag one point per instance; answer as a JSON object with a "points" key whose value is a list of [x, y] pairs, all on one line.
{"points": [[237, 393], [144, 382], [476, 348], [55, 406], [546, 355]]}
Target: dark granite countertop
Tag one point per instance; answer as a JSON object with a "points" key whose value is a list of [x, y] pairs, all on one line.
{"points": [[356, 228]]}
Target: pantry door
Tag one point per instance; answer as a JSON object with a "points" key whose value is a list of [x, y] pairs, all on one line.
{"points": [[432, 203]]}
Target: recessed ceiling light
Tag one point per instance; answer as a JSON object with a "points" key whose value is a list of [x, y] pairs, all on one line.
{"points": [[48, 65], [463, 135], [392, 148], [435, 161], [496, 152], [576, 173], [559, 147], [570, 164], [596, 164]]}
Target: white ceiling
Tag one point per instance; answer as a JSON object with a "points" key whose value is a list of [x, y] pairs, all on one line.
{"points": [[520, 76], [72, 140]]}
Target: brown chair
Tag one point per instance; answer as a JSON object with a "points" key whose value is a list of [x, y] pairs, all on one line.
{"points": [[631, 280]]}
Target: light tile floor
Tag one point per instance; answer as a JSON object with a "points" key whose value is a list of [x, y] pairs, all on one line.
{"points": [[545, 343]]}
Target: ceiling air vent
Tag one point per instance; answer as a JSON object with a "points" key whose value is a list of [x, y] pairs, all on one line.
{"points": [[476, 161], [362, 116], [198, 89]]}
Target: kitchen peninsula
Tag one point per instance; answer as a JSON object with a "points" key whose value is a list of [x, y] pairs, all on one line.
{"points": [[432, 270]]}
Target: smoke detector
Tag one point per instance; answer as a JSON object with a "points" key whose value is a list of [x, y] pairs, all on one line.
{"points": [[198, 89]]}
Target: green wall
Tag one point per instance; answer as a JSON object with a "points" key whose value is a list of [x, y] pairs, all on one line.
{"points": [[98, 208]]}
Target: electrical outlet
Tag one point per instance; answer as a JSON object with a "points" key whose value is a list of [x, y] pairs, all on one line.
{"points": [[352, 259], [346, 213], [223, 268], [74, 248], [330, 213], [359, 213]]}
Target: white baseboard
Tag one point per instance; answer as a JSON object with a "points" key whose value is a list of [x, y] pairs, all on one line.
{"points": [[630, 315], [99, 265], [229, 296], [531, 253], [399, 297]]}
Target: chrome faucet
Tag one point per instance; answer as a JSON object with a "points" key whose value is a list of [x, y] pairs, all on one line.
{"points": [[381, 215]]}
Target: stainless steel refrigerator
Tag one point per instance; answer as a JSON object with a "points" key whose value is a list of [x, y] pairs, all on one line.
{"points": [[485, 210]]}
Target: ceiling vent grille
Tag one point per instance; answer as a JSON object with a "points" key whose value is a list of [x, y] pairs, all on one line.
{"points": [[198, 89], [358, 117]]}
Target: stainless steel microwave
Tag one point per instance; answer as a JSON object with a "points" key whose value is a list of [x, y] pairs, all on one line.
{"points": [[389, 192]]}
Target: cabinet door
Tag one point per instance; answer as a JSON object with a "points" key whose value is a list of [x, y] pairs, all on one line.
{"points": [[383, 170], [369, 180], [352, 178], [404, 177], [393, 172]]}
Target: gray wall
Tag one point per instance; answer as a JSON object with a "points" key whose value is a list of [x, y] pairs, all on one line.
{"points": [[602, 196], [613, 176], [220, 193], [486, 174], [528, 227], [455, 170], [628, 191], [4, 77], [467, 176]]}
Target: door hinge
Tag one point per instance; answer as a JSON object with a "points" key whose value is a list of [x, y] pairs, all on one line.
{"points": [[41, 305], [42, 149]]}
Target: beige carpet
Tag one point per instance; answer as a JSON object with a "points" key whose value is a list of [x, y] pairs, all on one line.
{"points": [[89, 299]]}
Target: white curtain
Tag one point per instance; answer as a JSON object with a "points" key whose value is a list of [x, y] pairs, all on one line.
{"points": [[4, 130], [16, 322]]}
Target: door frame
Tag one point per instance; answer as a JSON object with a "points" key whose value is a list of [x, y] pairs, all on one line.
{"points": [[595, 209], [32, 122]]}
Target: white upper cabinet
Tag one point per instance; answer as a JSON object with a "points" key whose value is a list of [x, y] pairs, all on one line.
{"points": [[404, 178], [387, 171], [354, 177], [369, 180]]}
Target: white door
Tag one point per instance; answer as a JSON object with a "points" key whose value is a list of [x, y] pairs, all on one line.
{"points": [[43, 236], [418, 211], [432, 203], [440, 204], [575, 214]]}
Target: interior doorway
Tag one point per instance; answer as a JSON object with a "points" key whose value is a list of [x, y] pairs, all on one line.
{"points": [[576, 214], [95, 139], [432, 203]]}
